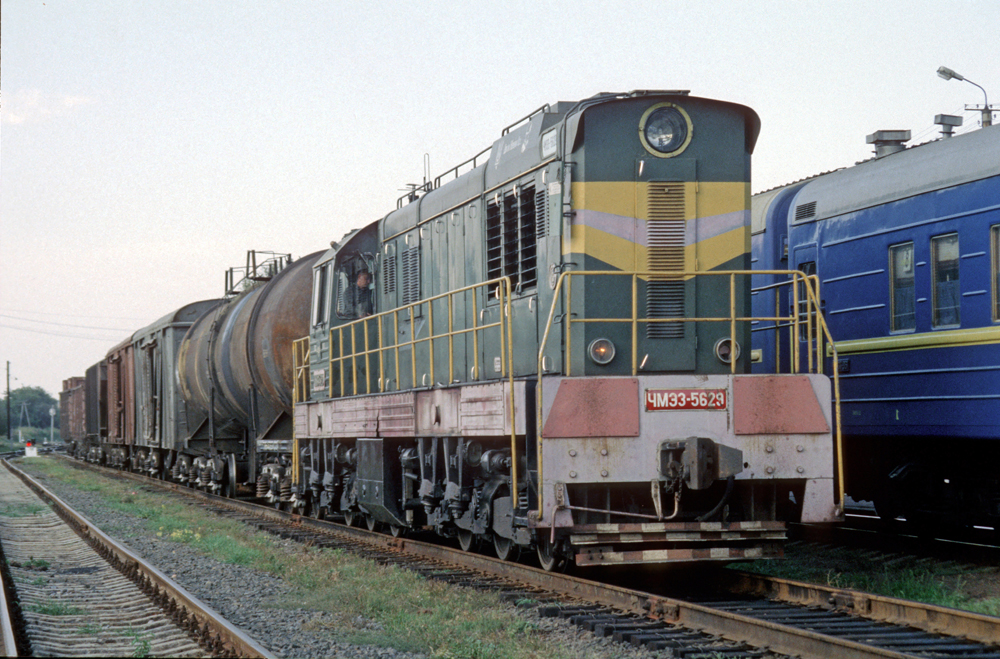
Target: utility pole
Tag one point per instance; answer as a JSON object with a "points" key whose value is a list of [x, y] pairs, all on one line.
{"points": [[10, 436]]}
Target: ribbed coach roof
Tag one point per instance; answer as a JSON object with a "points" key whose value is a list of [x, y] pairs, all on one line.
{"points": [[917, 170]]}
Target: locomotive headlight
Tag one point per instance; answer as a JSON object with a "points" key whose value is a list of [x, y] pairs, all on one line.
{"points": [[727, 351], [665, 130], [602, 351]]}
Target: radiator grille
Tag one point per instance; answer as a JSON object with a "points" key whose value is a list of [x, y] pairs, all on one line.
{"points": [[411, 275], [665, 253], [389, 274], [511, 234]]}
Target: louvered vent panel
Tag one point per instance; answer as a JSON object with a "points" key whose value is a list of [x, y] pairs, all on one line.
{"points": [[541, 214], [665, 253], [805, 211], [494, 241], [528, 221], [389, 274], [411, 275], [511, 240]]}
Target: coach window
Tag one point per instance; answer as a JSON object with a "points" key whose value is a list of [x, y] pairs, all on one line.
{"points": [[945, 296], [995, 273], [902, 295]]}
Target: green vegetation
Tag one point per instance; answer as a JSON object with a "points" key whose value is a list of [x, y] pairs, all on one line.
{"points": [[140, 642], [405, 611], [55, 609], [941, 584], [29, 409], [22, 510]]}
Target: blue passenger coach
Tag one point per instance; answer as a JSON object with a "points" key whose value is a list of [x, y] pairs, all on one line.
{"points": [[905, 248]]}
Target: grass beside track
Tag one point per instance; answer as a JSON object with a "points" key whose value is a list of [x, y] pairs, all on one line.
{"points": [[938, 583], [405, 611]]}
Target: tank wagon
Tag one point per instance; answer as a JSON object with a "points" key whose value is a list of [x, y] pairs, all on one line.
{"points": [[905, 248], [547, 347]]}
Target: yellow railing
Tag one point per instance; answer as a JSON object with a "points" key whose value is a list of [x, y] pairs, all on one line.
{"points": [[353, 350], [300, 369], [805, 310]]}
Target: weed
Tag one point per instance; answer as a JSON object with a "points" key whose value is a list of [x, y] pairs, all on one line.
{"points": [[55, 609], [140, 642], [22, 510]]}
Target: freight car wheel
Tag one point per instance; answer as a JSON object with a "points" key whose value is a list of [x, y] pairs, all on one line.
{"points": [[396, 530], [371, 523], [505, 548], [466, 539], [352, 518]]}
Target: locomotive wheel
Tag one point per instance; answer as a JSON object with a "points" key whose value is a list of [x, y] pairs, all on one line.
{"points": [[549, 559], [505, 548], [466, 539]]}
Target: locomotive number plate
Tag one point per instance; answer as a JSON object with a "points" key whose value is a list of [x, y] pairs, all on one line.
{"points": [[661, 400]]}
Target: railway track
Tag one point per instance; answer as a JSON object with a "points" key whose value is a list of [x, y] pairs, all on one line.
{"points": [[745, 615], [77, 592]]}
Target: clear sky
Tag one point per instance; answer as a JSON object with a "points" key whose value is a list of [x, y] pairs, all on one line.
{"points": [[145, 146]]}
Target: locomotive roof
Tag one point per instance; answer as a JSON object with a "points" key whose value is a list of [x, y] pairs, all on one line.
{"points": [[925, 168]]}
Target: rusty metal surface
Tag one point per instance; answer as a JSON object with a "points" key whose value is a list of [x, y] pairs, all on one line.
{"points": [[72, 424], [234, 641], [937, 619], [247, 344], [121, 388], [280, 317], [776, 404], [594, 407]]}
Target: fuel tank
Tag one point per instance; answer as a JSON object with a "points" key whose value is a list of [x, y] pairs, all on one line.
{"points": [[239, 356]]}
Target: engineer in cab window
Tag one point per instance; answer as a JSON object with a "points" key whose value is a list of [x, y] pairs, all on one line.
{"points": [[363, 305]]}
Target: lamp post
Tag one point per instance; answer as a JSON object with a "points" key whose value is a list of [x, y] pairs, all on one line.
{"points": [[986, 112]]}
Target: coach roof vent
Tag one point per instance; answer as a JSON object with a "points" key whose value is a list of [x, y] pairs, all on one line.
{"points": [[888, 141]]}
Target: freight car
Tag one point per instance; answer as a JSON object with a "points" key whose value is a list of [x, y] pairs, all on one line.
{"points": [[544, 348], [905, 248]]}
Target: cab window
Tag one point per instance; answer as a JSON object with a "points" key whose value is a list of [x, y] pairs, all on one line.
{"points": [[355, 289]]}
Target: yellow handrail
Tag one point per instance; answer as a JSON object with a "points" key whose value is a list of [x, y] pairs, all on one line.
{"points": [[341, 358], [809, 284]]}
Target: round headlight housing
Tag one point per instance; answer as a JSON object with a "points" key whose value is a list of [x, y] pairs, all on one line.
{"points": [[665, 130], [727, 351], [602, 351]]}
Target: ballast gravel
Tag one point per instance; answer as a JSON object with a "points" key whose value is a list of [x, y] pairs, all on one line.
{"points": [[254, 600]]}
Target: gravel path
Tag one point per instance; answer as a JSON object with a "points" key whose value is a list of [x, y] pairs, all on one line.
{"points": [[252, 600]]}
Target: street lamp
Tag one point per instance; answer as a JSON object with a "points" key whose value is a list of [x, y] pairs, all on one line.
{"points": [[986, 112]]}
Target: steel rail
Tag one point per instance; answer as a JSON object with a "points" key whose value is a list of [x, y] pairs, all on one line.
{"points": [[6, 626], [233, 640], [731, 626]]}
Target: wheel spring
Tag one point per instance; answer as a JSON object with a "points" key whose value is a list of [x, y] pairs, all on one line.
{"points": [[262, 486]]}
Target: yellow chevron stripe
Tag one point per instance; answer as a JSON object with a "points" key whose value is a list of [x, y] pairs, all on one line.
{"points": [[622, 254], [625, 198]]}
